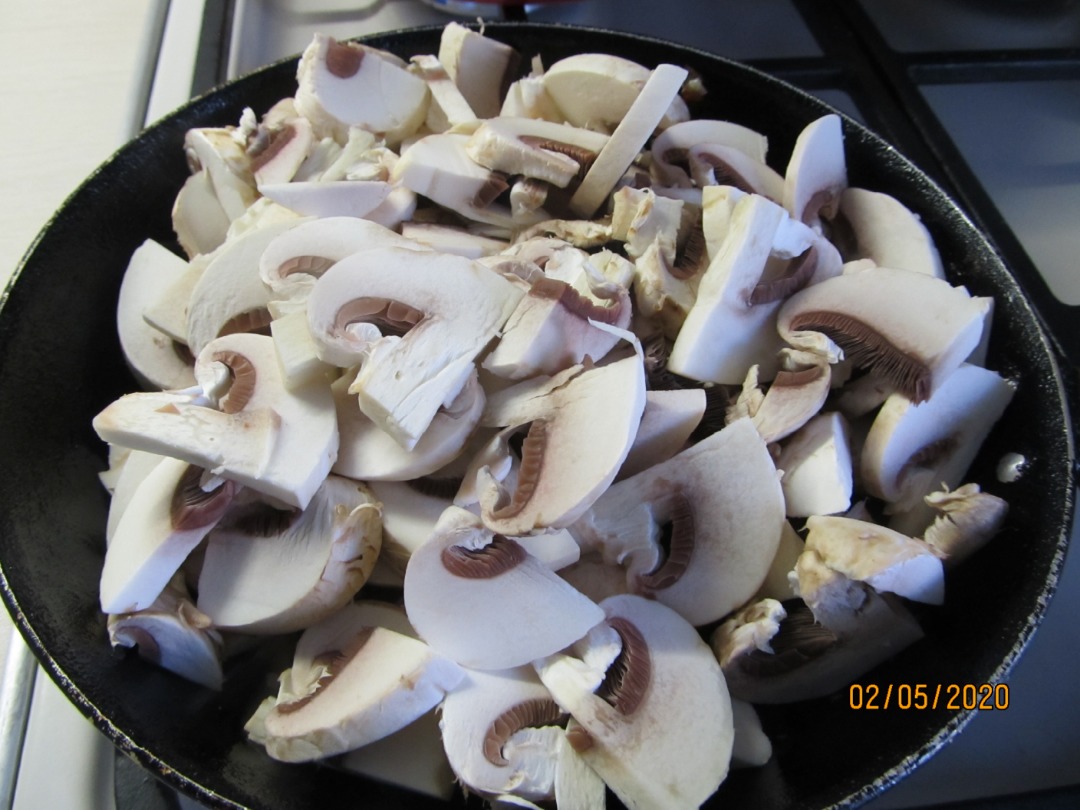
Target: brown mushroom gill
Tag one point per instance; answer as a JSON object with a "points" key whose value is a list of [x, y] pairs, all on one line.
{"points": [[535, 713], [677, 539], [574, 302], [343, 60], [192, 506], [794, 378], [392, 317], [724, 173], [627, 679], [533, 450], [867, 348], [434, 486], [799, 640], [496, 185], [496, 558], [691, 258], [580, 155], [313, 266], [928, 457], [333, 661], [268, 143], [258, 519], [253, 320], [796, 274], [242, 383], [823, 204]]}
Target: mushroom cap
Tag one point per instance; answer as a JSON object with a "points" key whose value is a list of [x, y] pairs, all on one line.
{"points": [[486, 603], [268, 570], [816, 174], [671, 713]]}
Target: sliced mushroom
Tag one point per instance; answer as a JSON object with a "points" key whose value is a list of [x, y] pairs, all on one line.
{"points": [[502, 732], [777, 585], [278, 151], [752, 747], [912, 449], [198, 219], [554, 153], [717, 164], [155, 359], [449, 109], [368, 453], [667, 422], [221, 154], [172, 634], [633, 130], [579, 435], [353, 681], [967, 518], [720, 503], [127, 471], [169, 514], [663, 707], [480, 66], [412, 757], [816, 174], [912, 328], [671, 147], [241, 423], [876, 226], [731, 325], [341, 198], [817, 467], [297, 352], [886, 560], [482, 600], [452, 239], [598, 91], [343, 84], [271, 570], [796, 394], [410, 512]]}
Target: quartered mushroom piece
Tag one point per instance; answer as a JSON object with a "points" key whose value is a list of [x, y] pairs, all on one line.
{"points": [[482, 600], [876, 226], [272, 570], [817, 466], [240, 422], [648, 701], [356, 677]]}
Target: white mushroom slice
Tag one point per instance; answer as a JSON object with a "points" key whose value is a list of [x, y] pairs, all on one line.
{"points": [[797, 393], [172, 634], [197, 216], [640, 218], [597, 91], [777, 585], [777, 656], [552, 329], [128, 468], [278, 442], [876, 226], [752, 747], [633, 130], [448, 108], [341, 198], [666, 424], [480, 66], [291, 262], [816, 174], [342, 85], [912, 449], [405, 380], [527, 98], [297, 353], [483, 601], [817, 467], [662, 709], [369, 453], [886, 560], [279, 151], [671, 147], [967, 518], [721, 499], [353, 681], [229, 296], [554, 153], [913, 328], [569, 456], [169, 514], [410, 512], [215, 150], [270, 570], [397, 208], [731, 325], [716, 164], [439, 167], [862, 395], [155, 359], [451, 239], [168, 312], [576, 784], [502, 732]]}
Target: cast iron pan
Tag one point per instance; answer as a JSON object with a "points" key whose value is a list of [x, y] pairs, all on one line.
{"points": [[60, 363]]}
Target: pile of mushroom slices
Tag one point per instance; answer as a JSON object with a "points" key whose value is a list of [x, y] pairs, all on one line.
{"points": [[644, 430]]}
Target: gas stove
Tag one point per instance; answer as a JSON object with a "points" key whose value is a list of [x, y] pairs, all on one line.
{"points": [[983, 95]]}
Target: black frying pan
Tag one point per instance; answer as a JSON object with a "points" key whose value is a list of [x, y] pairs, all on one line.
{"points": [[60, 363]]}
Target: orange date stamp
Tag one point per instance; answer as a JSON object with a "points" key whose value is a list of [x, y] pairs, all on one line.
{"points": [[926, 696]]}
